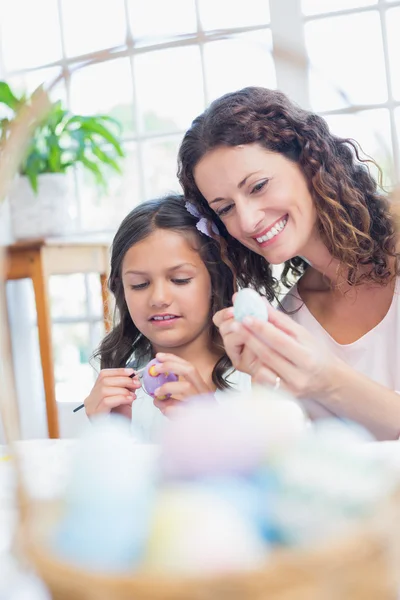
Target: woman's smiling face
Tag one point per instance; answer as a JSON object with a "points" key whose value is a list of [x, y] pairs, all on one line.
{"points": [[262, 198]]}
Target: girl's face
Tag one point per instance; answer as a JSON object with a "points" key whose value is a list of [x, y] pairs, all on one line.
{"points": [[262, 199], [167, 290]]}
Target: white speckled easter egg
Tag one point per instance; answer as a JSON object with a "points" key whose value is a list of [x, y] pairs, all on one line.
{"points": [[248, 303], [196, 532]]}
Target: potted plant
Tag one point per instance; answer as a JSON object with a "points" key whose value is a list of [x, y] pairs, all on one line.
{"points": [[41, 195]]}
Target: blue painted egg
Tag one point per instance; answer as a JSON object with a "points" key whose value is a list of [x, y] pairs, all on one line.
{"points": [[248, 303]]}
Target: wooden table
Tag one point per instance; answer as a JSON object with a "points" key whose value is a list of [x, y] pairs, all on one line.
{"points": [[38, 260]]}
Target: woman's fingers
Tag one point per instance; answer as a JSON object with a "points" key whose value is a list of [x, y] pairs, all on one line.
{"points": [[223, 315]]}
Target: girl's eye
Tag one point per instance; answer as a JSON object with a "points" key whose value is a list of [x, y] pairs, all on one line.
{"points": [[182, 281], [259, 186], [139, 286], [224, 211]]}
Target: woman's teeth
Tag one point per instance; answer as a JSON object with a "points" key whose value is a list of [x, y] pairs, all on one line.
{"points": [[277, 228]]}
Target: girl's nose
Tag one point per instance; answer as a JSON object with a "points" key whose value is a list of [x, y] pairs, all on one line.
{"points": [[160, 296]]}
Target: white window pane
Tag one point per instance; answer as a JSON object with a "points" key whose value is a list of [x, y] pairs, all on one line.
{"points": [[30, 33], [393, 28], [91, 25], [173, 17], [104, 210], [160, 166], [72, 352], [318, 7], [223, 14], [371, 129], [238, 62], [68, 295], [95, 297], [104, 88], [169, 96], [397, 117], [29, 81], [349, 72]]}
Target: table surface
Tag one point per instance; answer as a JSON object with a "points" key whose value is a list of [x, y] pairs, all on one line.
{"points": [[46, 464]]}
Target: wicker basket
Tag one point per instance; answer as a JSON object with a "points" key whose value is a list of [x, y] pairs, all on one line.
{"points": [[358, 567]]}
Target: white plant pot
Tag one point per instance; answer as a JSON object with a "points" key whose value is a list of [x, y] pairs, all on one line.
{"points": [[41, 215]]}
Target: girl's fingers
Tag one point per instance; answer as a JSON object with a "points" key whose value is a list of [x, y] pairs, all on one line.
{"points": [[109, 392], [116, 372], [177, 389], [124, 409], [182, 368], [166, 357], [121, 382]]}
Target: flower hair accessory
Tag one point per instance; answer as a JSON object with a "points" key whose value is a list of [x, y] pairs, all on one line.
{"points": [[203, 225]]}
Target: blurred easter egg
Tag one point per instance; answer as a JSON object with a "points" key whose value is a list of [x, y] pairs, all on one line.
{"points": [[109, 498], [234, 437], [152, 380], [196, 532], [248, 303]]}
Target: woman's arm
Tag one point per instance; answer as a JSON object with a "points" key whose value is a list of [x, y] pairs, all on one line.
{"points": [[282, 348], [354, 396]]}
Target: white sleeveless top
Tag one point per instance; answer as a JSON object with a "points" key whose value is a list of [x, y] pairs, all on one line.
{"points": [[376, 354], [148, 421]]}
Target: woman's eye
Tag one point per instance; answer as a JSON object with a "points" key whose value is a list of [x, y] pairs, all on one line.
{"points": [[139, 286], [224, 211], [182, 281], [259, 186]]}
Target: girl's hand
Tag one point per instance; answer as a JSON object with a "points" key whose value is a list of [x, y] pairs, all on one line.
{"points": [[287, 350], [234, 336], [190, 382], [114, 391]]}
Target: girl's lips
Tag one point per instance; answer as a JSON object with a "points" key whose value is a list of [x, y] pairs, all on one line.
{"points": [[165, 321]]}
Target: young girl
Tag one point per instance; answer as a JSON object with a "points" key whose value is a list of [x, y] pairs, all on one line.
{"points": [[168, 280]]}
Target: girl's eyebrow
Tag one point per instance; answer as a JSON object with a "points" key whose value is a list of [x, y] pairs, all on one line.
{"points": [[175, 268]]}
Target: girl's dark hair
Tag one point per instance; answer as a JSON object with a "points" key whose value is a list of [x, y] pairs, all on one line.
{"points": [[125, 339], [354, 220]]}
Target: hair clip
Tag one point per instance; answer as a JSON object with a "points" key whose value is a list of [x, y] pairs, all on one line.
{"points": [[203, 224]]}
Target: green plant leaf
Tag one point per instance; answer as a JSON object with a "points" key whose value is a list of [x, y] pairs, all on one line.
{"points": [[105, 158], [7, 97], [94, 126]]}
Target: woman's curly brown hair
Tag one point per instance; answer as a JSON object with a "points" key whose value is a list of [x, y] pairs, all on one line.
{"points": [[354, 219]]}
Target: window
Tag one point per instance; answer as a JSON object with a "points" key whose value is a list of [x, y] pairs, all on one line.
{"points": [[159, 64]]}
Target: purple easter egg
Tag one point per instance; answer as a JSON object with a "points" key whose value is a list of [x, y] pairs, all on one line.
{"points": [[152, 381]]}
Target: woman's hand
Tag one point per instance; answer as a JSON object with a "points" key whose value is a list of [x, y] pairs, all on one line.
{"points": [[286, 350], [114, 391], [234, 336], [190, 383]]}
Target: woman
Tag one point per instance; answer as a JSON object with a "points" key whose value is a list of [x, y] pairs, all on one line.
{"points": [[282, 189]]}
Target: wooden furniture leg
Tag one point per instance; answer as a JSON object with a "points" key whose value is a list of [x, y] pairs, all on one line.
{"points": [[106, 302], [40, 287]]}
